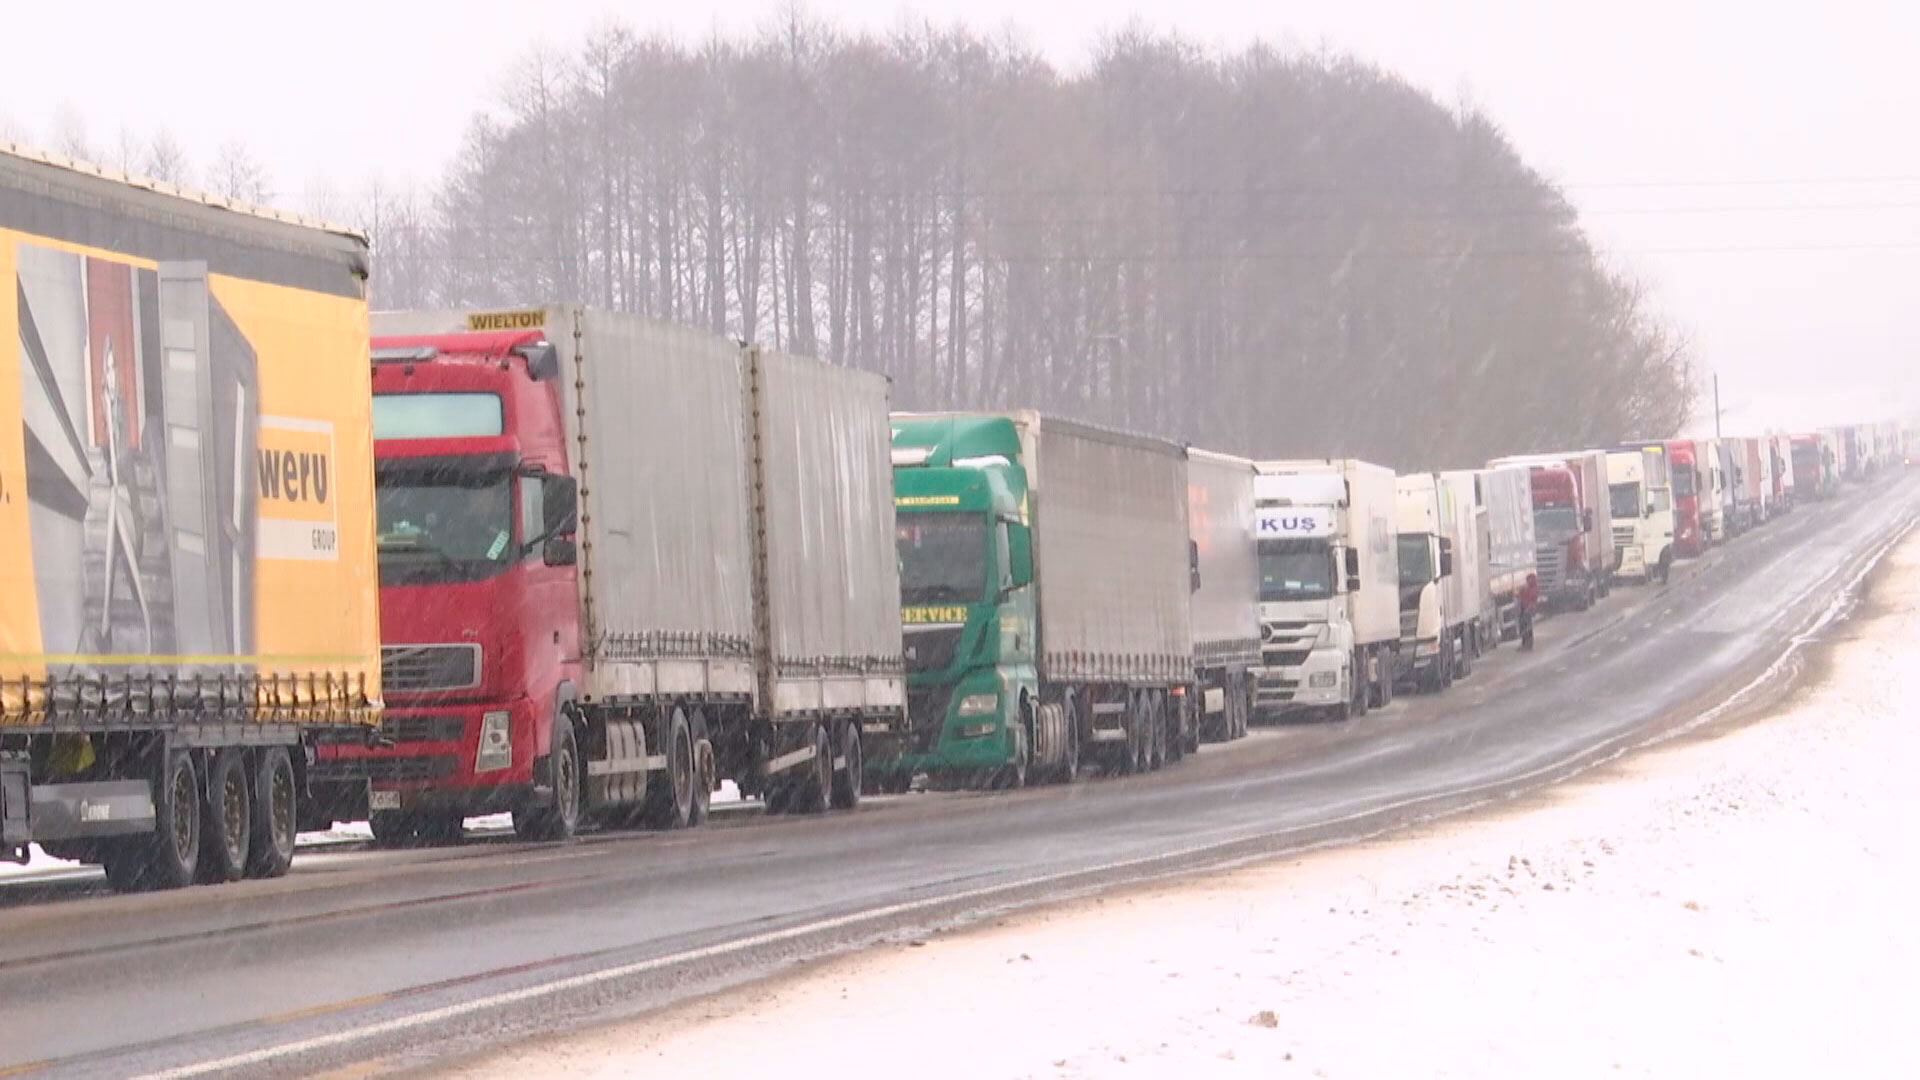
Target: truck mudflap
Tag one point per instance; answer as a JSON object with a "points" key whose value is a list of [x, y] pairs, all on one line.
{"points": [[1632, 562]]}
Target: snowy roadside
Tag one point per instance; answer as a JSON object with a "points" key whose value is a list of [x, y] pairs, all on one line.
{"points": [[1734, 905]]}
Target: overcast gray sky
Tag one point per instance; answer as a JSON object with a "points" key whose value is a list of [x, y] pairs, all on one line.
{"points": [[1756, 164]]}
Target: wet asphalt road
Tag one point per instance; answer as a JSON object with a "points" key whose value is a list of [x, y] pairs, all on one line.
{"points": [[404, 959]]}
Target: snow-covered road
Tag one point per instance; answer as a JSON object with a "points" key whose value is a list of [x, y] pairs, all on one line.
{"points": [[1740, 904]]}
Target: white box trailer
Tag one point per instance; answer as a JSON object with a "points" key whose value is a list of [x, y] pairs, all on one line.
{"points": [[1472, 586], [1329, 586], [1434, 610], [1507, 492], [1226, 598], [1589, 469]]}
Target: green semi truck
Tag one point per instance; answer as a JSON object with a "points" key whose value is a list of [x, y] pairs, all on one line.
{"points": [[1046, 572]]}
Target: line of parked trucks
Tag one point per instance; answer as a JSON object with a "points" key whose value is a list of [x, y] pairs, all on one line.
{"points": [[581, 567]]}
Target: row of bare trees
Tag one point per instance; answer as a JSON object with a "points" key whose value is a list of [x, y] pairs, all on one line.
{"points": [[1265, 252]]}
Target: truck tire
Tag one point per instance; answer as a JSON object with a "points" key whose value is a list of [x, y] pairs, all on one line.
{"points": [[227, 829], [1013, 775], [1156, 732], [811, 795], [276, 813], [1068, 771], [847, 781], [1380, 690], [705, 769], [1359, 688], [669, 804], [168, 857], [1464, 654], [560, 820], [1444, 665]]}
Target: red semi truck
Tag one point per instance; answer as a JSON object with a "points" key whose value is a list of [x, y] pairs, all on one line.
{"points": [[619, 561], [1573, 547]]}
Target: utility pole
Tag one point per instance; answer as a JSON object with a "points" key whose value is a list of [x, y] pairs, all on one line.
{"points": [[1716, 405]]}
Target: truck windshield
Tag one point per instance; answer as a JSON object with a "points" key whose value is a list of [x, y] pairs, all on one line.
{"points": [[1295, 569], [1555, 522], [1625, 500], [445, 526], [943, 556], [1416, 559]]}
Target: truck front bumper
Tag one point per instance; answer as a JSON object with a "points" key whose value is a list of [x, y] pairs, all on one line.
{"points": [[1321, 680], [946, 733], [430, 758]]}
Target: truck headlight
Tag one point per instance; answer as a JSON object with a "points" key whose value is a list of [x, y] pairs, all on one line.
{"points": [[496, 742], [979, 705], [1323, 680]]}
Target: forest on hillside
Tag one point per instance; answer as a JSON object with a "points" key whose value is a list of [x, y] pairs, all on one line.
{"points": [[1270, 252]]}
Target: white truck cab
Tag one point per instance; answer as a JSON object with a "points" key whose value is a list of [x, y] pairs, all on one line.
{"points": [[1328, 580]]}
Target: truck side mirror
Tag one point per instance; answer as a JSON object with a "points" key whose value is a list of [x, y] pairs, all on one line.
{"points": [[1446, 557], [1193, 566], [1019, 554], [559, 505], [1353, 569], [559, 551], [1586, 520]]}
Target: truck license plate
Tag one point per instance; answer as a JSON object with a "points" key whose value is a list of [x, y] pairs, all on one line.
{"points": [[383, 800]]}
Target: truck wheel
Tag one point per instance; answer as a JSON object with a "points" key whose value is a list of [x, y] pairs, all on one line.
{"points": [[1386, 680], [1465, 653], [1068, 771], [560, 820], [811, 794], [1359, 692], [276, 805], [168, 857], [669, 805], [1133, 756], [704, 770], [1156, 732], [227, 827], [1013, 775], [847, 782], [1445, 665]]}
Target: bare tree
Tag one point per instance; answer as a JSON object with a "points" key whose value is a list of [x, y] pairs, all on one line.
{"points": [[236, 174], [1272, 252], [165, 160]]}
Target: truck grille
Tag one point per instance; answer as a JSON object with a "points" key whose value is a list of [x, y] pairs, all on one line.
{"points": [[1409, 623], [418, 729], [1285, 658], [414, 669], [1551, 564], [931, 648], [1623, 536], [385, 769], [926, 715], [1275, 689]]}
